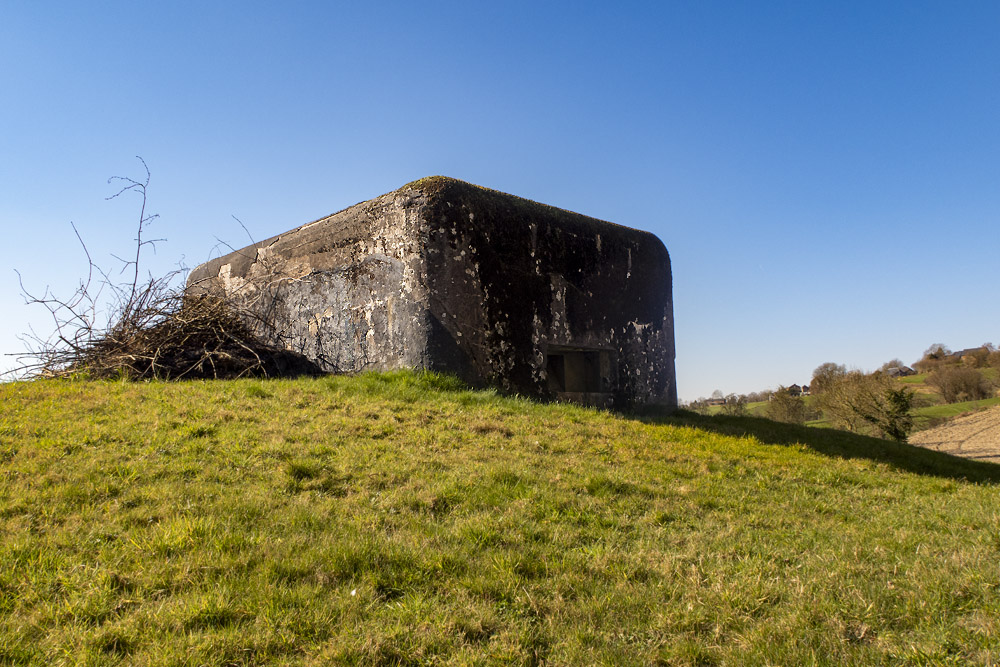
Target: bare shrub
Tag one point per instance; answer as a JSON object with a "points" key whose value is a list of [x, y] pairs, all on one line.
{"points": [[994, 359], [934, 356], [784, 407], [735, 405], [960, 383], [144, 328], [825, 376], [871, 402]]}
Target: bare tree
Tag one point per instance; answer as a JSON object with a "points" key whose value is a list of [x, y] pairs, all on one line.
{"points": [[825, 376], [735, 405], [872, 402], [960, 383], [784, 407], [933, 356]]}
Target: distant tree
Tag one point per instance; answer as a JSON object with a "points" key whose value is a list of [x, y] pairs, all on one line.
{"points": [[735, 406], [836, 402], [783, 407], [977, 358], [825, 376], [872, 402], [937, 351], [886, 406], [933, 356], [699, 405], [717, 394], [960, 383]]}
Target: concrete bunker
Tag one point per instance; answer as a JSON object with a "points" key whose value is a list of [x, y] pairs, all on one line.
{"points": [[448, 276]]}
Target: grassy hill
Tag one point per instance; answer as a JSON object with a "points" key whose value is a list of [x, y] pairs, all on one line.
{"points": [[930, 408], [398, 519]]}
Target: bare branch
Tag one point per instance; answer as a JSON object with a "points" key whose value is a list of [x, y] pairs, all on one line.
{"points": [[151, 328]]}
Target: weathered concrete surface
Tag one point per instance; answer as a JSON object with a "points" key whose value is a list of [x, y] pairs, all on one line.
{"points": [[346, 291], [448, 276]]}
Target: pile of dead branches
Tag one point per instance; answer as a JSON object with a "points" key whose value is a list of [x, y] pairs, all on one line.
{"points": [[174, 338], [148, 328]]}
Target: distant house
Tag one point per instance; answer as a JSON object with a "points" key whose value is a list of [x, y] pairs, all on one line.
{"points": [[900, 371], [795, 390]]}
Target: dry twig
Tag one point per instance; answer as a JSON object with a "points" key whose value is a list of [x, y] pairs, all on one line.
{"points": [[149, 328]]}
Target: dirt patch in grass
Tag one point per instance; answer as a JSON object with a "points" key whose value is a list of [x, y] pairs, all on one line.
{"points": [[975, 436]]}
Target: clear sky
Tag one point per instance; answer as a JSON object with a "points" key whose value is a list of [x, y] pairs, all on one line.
{"points": [[826, 176]]}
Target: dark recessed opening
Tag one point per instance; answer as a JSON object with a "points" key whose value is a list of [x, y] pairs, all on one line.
{"points": [[575, 371], [555, 369]]}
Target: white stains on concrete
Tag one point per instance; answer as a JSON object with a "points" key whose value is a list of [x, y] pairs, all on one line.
{"points": [[263, 254], [537, 340], [560, 321], [316, 321], [236, 285]]}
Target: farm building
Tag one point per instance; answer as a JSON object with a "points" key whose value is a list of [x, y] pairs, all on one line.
{"points": [[451, 277]]}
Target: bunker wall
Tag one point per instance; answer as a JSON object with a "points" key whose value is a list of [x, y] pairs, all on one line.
{"points": [[542, 301], [347, 291]]}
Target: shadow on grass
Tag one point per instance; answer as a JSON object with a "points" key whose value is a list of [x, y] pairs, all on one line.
{"points": [[840, 444]]}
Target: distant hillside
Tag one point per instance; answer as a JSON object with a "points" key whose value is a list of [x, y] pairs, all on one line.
{"points": [[399, 519], [950, 385], [932, 410]]}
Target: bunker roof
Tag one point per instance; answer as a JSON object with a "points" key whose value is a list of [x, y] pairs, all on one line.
{"points": [[443, 189]]}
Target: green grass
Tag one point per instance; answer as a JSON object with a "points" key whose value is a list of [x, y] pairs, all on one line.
{"points": [[930, 409], [756, 409], [399, 519], [926, 417]]}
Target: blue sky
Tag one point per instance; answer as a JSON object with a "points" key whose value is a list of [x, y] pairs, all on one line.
{"points": [[825, 176]]}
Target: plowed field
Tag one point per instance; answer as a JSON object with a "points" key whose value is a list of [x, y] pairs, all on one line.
{"points": [[975, 436]]}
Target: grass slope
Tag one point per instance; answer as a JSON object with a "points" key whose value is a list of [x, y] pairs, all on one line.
{"points": [[935, 415], [396, 519], [930, 408]]}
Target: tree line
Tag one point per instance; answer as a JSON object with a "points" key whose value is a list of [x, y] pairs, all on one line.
{"points": [[874, 403]]}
